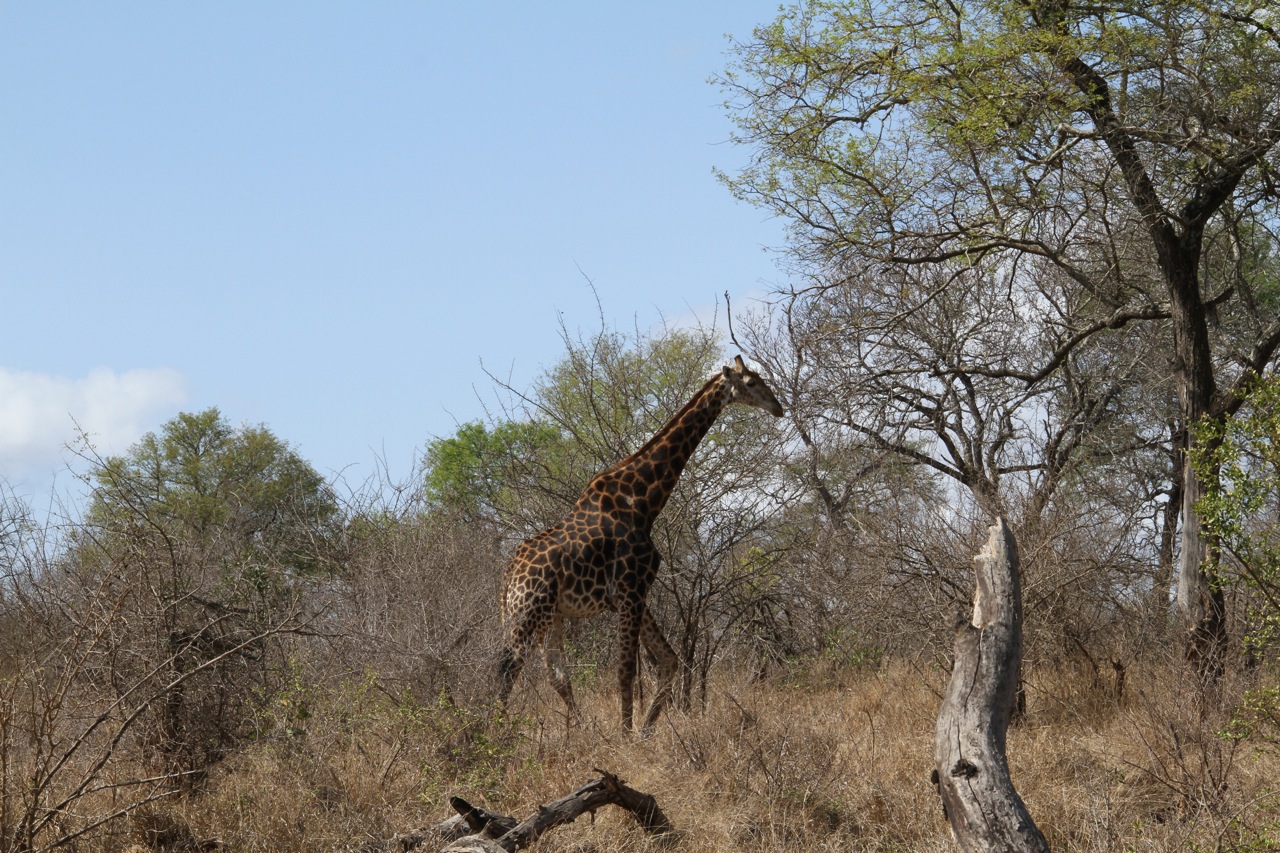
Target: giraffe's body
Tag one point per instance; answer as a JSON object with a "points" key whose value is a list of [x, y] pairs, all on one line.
{"points": [[601, 557]]}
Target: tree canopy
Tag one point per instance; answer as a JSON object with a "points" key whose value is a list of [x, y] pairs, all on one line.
{"points": [[1106, 167], [478, 470], [199, 477]]}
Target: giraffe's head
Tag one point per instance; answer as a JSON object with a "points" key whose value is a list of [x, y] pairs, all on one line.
{"points": [[746, 386]]}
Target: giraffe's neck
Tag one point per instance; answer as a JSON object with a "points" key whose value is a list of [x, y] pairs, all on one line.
{"points": [[645, 479]]}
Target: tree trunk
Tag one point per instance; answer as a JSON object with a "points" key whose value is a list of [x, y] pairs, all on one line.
{"points": [[1200, 600], [971, 772]]}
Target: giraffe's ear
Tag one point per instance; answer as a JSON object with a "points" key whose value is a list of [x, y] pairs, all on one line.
{"points": [[739, 363], [727, 371]]}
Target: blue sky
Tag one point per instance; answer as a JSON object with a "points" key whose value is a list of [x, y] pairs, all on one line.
{"points": [[325, 217]]}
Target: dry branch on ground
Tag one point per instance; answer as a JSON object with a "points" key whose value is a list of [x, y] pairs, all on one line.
{"points": [[477, 830]]}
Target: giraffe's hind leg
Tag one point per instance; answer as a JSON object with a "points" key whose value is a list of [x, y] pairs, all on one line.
{"points": [[668, 665], [525, 629], [553, 651], [510, 662]]}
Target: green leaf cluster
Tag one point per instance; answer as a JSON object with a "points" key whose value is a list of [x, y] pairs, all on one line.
{"points": [[878, 126], [199, 479], [614, 391], [1242, 509], [476, 472]]}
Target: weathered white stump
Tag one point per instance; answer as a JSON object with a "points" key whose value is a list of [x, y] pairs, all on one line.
{"points": [[971, 772]]}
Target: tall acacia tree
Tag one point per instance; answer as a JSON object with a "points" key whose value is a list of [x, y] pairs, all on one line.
{"points": [[190, 573], [1129, 146]]}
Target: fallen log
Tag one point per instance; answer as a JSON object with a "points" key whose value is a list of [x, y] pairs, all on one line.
{"points": [[971, 770], [495, 833]]}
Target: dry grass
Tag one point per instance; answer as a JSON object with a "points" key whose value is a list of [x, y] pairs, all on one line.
{"points": [[825, 764]]}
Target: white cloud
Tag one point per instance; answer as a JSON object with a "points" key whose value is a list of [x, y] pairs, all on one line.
{"points": [[39, 413]]}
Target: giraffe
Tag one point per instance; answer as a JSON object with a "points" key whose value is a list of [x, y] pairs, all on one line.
{"points": [[601, 555]]}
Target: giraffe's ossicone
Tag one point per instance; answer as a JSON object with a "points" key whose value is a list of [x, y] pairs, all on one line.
{"points": [[601, 556]]}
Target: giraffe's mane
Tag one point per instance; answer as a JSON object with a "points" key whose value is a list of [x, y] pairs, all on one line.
{"points": [[661, 434]]}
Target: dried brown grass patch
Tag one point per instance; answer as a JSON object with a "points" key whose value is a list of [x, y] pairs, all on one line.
{"points": [[765, 767]]}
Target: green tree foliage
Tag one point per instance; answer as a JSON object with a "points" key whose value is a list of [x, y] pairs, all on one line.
{"points": [[193, 567], [478, 472], [612, 392], [1242, 515], [935, 129], [598, 404], [1243, 510], [200, 477]]}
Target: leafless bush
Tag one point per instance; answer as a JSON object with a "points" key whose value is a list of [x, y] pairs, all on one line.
{"points": [[106, 705], [139, 653], [416, 602]]}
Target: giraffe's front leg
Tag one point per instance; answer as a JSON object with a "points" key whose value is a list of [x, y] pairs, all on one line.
{"points": [[630, 618]]}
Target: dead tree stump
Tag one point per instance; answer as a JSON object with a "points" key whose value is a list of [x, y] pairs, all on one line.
{"points": [[971, 772]]}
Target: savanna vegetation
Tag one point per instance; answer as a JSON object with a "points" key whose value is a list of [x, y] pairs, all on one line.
{"points": [[1032, 270]]}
